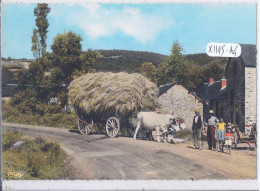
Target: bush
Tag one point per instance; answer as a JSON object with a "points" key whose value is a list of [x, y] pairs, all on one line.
{"points": [[35, 159], [9, 138], [25, 108]]}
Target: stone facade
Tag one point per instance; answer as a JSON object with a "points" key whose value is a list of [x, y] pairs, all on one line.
{"points": [[242, 89], [250, 95], [181, 103]]}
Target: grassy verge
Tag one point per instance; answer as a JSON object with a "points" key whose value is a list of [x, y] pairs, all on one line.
{"points": [[38, 114], [33, 159]]}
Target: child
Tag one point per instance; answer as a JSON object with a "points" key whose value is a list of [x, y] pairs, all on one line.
{"points": [[221, 132], [228, 139]]}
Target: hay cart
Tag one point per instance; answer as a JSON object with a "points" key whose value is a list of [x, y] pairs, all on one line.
{"points": [[112, 125], [110, 101]]}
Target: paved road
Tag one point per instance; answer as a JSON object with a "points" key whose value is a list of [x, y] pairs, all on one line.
{"points": [[100, 157]]}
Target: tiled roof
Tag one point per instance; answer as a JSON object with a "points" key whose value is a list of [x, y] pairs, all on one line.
{"points": [[165, 88], [207, 92]]}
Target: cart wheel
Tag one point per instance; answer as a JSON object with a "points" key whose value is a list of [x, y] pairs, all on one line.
{"points": [[85, 126], [112, 126]]}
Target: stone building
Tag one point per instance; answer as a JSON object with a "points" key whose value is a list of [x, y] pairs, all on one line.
{"points": [[234, 98], [177, 100]]}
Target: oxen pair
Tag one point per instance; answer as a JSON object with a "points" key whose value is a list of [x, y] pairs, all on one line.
{"points": [[161, 123]]}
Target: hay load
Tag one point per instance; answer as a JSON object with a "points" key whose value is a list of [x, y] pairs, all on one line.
{"points": [[106, 94]]}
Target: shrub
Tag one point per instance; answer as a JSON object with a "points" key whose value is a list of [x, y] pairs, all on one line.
{"points": [[35, 159], [9, 138], [24, 108]]}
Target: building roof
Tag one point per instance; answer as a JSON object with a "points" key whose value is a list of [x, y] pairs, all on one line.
{"points": [[248, 54], [207, 92], [165, 88]]}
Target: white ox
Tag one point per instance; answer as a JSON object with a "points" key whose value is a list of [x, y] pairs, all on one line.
{"points": [[159, 122]]}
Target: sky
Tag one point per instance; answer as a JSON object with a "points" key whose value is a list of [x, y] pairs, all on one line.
{"points": [[140, 27]]}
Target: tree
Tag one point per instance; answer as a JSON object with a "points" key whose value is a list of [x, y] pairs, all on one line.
{"points": [[176, 68], [149, 70], [173, 67], [36, 48], [69, 57], [32, 76], [212, 70], [41, 12]]}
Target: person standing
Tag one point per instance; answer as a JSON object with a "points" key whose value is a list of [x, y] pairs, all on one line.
{"points": [[196, 129], [221, 136], [211, 123]]}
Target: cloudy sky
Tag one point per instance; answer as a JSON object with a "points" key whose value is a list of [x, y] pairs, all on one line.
{"points": [[144, 27]]}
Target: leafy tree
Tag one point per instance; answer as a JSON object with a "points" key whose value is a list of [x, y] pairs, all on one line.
{"points": [[69, 57], [176, 68], [36, 48], [212, 70], [149, 70], [32, 76], [41, 12]]}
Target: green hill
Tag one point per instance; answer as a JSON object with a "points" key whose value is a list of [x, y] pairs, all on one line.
{"points": [[131, 61], [203, 59], [124, 60]]}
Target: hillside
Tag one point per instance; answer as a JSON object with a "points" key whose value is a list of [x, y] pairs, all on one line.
{"points": [[131, 61], [124, 60], [203, 59]]}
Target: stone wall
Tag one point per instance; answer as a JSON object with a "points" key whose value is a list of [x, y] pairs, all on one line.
{"points": [[180, 103], [250, 95]]}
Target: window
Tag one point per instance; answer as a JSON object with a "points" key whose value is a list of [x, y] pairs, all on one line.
{"points": [[231, 98], [234, 68]]}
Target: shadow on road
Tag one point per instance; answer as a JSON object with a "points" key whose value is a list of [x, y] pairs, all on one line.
{"points": [[74, 131], [242, 148]]}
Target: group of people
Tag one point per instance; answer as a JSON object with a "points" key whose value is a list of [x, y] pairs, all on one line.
{"points": [[212, 124]]}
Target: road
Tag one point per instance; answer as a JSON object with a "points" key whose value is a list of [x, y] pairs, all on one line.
{"points": [[99, 157]]}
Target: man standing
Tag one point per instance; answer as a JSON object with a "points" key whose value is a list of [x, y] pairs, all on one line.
{"points": [[211, 122], [196, 129]]}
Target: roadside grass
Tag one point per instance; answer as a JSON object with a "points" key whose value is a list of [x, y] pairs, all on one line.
{"points": [[33, 159], [38, 114]]}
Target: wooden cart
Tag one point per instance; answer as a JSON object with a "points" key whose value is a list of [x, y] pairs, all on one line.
{"points": [[112, 124]]}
